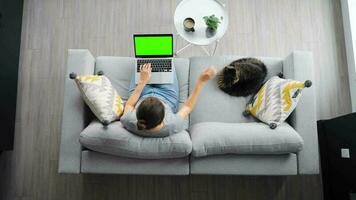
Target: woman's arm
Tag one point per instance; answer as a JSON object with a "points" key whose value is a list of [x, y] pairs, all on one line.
{"points": [[145, 75], [189, 105]]}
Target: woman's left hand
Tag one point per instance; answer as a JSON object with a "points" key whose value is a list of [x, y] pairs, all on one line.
{"points": [[208, 74]]}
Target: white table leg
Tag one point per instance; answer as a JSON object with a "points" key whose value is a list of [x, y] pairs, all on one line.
{"points": [[206, 51], [175, 45], [190, 44], [180, 50], [216, 46]]}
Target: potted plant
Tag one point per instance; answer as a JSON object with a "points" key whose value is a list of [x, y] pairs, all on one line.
{"points": [[212, 23]]}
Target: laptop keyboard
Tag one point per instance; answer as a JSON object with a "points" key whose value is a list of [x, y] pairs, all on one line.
{"points": [[157, 65]]}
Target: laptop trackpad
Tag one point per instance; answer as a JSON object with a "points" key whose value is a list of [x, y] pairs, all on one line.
{"points": [[161, 78], [158, 78]]}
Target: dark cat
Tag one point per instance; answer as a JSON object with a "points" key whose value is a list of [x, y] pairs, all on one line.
{"points": [[242, 77]]}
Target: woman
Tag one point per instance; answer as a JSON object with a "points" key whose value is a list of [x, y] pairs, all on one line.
{"points": [[151, 110]]}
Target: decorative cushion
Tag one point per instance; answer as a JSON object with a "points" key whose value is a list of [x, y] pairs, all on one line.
{"points": [[100, 96], [114, 139], [213, 138], [276, 100]]}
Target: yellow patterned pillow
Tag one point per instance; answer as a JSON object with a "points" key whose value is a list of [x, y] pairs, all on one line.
{"points": [[100, 96], [276, 100]]}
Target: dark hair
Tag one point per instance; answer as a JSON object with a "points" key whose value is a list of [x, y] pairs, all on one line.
{"points": [[149, 113]]}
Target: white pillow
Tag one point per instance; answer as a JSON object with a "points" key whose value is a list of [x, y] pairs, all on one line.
{"points": [[101, 97]]}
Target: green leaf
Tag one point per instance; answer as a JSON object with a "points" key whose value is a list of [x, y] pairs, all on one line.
{"points": [[212, 21]]}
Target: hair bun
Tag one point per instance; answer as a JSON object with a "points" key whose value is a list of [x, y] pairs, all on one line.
{"points": [[141, 124]]}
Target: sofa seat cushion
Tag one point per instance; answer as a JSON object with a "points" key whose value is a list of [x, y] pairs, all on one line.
{"points": [[114, 139], [213, 104], [213, 138]]}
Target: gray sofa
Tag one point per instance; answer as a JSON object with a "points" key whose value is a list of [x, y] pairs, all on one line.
{"points": [[218, 140]]}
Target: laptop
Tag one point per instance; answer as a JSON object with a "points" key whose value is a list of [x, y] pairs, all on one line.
{"points": [[156, 49]]}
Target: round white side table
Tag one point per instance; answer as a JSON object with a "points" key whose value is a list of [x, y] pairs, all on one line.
{"points": [[197, 9]]}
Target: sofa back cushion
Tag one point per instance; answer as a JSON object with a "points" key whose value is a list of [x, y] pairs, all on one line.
{"points": [[118, 70], [213, 104]]}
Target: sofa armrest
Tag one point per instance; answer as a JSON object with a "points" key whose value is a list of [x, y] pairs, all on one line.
{"points": [[299, 66], [80, 61]]}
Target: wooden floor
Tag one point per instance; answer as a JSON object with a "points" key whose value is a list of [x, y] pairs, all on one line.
{"points": [[257, 28]]}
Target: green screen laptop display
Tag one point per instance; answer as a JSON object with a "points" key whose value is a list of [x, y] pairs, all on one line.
{"points": [[153, 45]]}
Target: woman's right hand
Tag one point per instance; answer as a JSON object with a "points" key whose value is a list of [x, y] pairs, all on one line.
{"points": [[145, 73]]}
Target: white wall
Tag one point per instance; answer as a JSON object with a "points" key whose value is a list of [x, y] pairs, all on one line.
{"points": [[349, 20]]}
